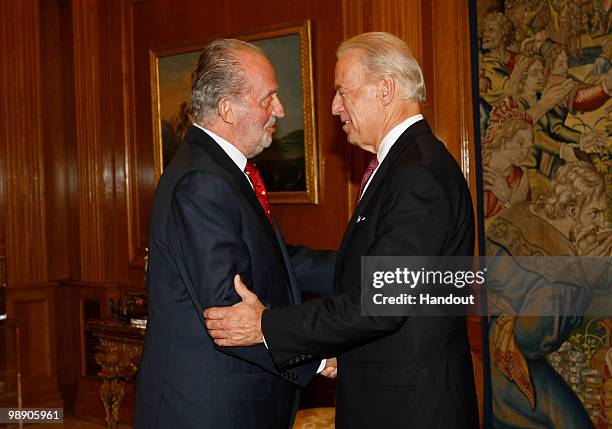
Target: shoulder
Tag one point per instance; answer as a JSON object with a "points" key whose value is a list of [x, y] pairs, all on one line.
{"points": [[425, 159], [205, 184], [426, 170], [192, 164]]}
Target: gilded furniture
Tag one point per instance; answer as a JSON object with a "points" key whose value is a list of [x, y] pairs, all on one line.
{"points": [[119, 354]]}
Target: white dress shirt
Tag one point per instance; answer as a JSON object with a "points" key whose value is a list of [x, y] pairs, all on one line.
{"points": [[389, 140], [232, 151]]}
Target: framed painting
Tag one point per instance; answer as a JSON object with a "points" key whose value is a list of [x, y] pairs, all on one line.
{"points": [[289, 166]]}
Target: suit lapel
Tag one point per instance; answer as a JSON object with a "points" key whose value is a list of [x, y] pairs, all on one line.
{"points": [[401, 144], [237, 177]]}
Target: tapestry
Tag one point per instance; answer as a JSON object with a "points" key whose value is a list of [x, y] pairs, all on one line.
{"points": [[544, 85]]}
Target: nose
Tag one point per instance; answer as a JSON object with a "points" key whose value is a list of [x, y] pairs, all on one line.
{"points": [[337, 105], [277, 108]]}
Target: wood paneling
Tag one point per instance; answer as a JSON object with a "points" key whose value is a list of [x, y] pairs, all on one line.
{"points": [[21, 138], [126, 190], [400, 17], [56, 135], [66, 322], [32, 306], [94, 144], [32, 196], [452, 83]]}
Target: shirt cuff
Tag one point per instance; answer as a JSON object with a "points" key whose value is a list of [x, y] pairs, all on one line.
{"points": [[322, 366]]}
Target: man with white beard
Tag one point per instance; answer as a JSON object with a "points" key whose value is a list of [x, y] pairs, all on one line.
{"points": [[535, 312]]}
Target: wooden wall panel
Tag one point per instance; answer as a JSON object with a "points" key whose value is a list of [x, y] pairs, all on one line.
{"points": [[66, 343], [34, 112], [123, 136], [21, 136], [400, 17], [94, 144], [4, 121], [144, 17], [32, 195], [32, 306], [452, 83], [56, 132]]}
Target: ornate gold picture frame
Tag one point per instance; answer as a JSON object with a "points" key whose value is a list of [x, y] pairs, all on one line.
{"points": [[290, 165]]}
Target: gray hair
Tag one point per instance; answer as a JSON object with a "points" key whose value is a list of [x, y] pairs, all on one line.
{"points": [[386, 55], [217, 75], [576, 183], [504, 23]]}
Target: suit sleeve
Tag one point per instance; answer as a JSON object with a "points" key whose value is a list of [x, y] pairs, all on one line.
{"points": [[314, 269], [413, 220], [207, 245]]}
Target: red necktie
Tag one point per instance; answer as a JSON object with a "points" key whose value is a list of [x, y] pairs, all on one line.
{"points": [[252, 171], [368, 173]]}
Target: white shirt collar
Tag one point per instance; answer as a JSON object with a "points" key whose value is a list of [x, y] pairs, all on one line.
{"points": [[232, 151], [389, 140]]}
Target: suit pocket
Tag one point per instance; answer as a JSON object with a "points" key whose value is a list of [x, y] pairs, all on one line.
{"points": [[241, 387], [390, 374]]}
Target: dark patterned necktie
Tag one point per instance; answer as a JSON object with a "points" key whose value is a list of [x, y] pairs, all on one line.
{"points": [[368, 173], [252, 171]]}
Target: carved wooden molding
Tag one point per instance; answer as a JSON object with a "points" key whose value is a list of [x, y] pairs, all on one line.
{"points": [[22, 142]]}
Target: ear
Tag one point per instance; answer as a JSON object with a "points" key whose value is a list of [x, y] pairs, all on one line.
{"points": [[225, 109], [387, 89]]}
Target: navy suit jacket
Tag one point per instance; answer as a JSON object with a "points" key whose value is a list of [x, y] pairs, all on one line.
{"points": [[393, 372], [206, 226]]}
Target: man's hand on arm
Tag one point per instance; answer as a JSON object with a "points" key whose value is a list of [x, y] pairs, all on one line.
{"points": [[238, 325]]}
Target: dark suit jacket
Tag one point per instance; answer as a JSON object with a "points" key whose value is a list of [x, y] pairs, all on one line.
{"points": [[206, 226], [393, 372]]}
